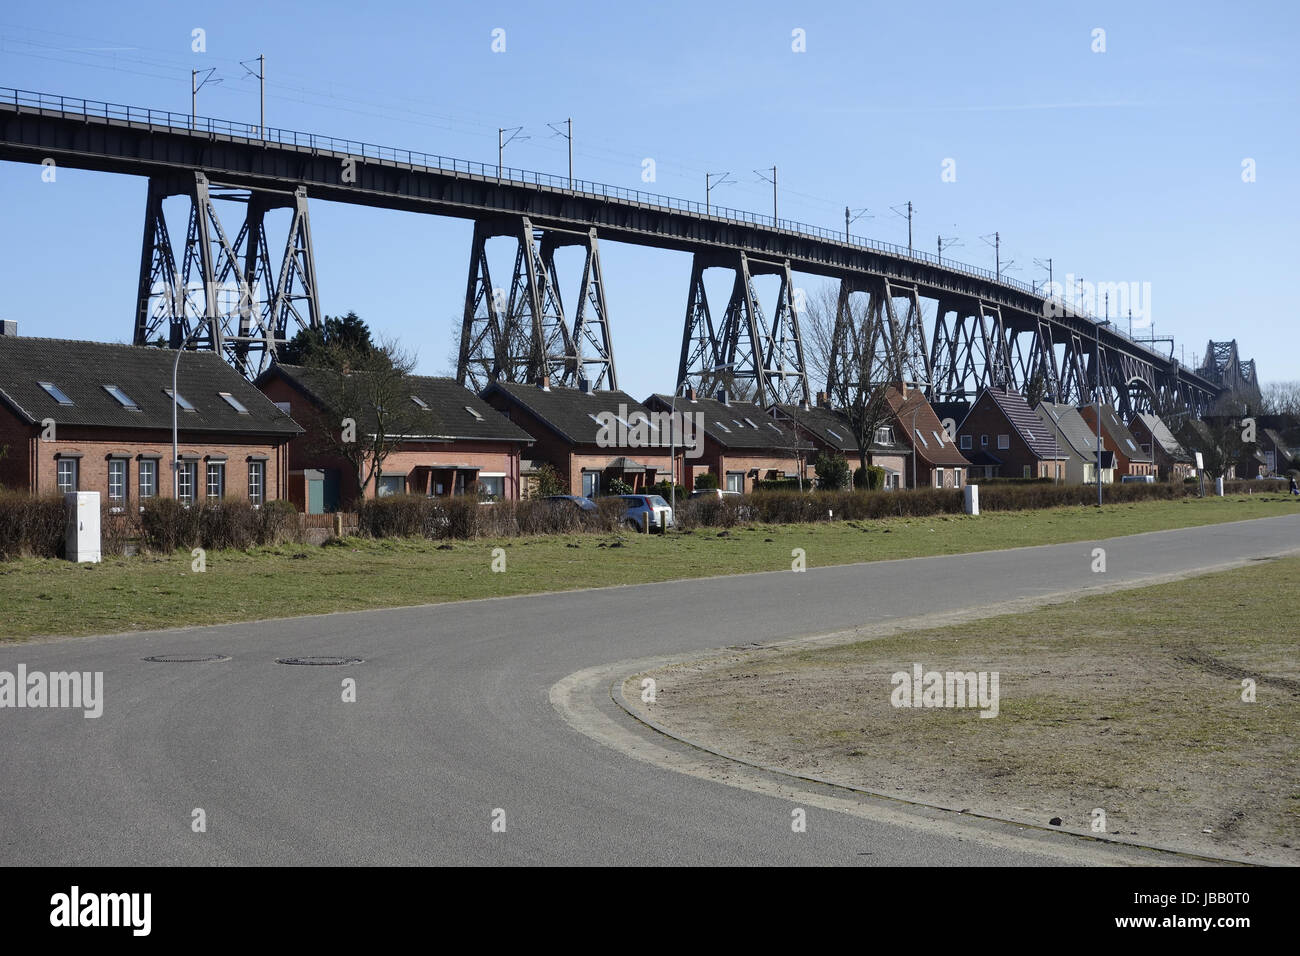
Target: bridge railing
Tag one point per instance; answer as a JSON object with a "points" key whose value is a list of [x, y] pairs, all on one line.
{"points": [[184, 122]]}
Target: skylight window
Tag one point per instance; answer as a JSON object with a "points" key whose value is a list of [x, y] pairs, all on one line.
{"points": [[937, 437], [920, 435], [421, 403], [235, 403], [474, 413], [723, 427], [772, 426], [56, 393], [1132, 447], [181, 400], [123, 399], [750, 423], [833, 434]]}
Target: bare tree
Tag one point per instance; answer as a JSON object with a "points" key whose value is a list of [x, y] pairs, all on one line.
{"points": [[1280, 398], [857, 371], [368, 410]]}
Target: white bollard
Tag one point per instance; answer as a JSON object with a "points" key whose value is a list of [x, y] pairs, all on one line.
{"points": [[81, 534], [972, 499]]}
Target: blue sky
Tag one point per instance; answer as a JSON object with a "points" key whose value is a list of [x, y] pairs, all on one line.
{"points": [[1123, 166]]}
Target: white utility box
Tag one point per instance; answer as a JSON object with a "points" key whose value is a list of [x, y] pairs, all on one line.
{"points": [[1218, 487], [81, 541], [972, 501]]}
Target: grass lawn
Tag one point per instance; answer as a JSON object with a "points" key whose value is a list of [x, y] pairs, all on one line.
{"points": [[1130, 702], [51, 597]]}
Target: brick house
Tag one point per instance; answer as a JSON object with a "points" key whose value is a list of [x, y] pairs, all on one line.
{"points": [[1172, 460], [742, 444], [829, 432], [935, 461], [94, 416], [1070, 434], [568, 434], [457, 444], [1130, 459], [1005, 439]]}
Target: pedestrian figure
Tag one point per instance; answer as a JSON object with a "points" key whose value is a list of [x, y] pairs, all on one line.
{"points": [[1295, 489]]}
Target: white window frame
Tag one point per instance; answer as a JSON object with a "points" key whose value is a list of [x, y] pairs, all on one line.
{"points": [[217, 469], [735, 481], [73, 466], [938, 477], [256, 482], [118, 499], [1004, 442], [187, 473], [149, 467], [494, 476]]}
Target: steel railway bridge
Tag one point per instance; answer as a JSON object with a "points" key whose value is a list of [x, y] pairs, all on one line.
{"points": [[238, 292]]}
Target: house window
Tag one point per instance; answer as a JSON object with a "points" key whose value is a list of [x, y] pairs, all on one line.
{"points": [[958, 476], [492, 487], [216, 480], [736, 481], [148, 472], [185, 404], [117, 481], [1026, 472], [984, 441], [256, 482], [591, 483], [67, 474], [185, 476], [965, 442], [387, 485], [938, 477], [1004, 442], [885, 435]]}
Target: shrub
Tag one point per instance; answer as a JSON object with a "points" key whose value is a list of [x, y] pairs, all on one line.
{"points": [[548, 482], [778, 484], [706, 481], [165, 524], [872, 478], [832, 472], [664, 490], [617, 486], [31, 525]]}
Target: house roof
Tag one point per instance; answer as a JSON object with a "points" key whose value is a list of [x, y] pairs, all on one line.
{"points": [[1121, 438], [1164, 437], [448, 417], [1027, 425], [1078, 438], [567, 411], [933, 446], [833, 428], [1278, 442], [81, 370], [738, 426]]}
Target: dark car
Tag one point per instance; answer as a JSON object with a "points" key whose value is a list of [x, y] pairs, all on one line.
{"points": [[577, 501]]}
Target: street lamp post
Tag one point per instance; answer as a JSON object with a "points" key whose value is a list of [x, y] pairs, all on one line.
{"points": [[1097, 396]]}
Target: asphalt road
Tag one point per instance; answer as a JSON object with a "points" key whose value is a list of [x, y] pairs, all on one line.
{"points": [[452, 720]]}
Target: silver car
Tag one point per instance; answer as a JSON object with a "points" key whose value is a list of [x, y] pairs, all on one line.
{"points": [[661, 515]]}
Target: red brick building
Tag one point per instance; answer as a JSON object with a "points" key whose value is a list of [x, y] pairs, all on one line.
{"points": [[453, 443], [742, 444], [589, 437], [1172, 461], [1130, 459], [92, 416], [936, 460], [1003, 438], [830, 432]]}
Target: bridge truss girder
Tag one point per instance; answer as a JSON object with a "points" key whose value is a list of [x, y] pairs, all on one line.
{"points": [[524, 336], [747, 355], [228, 297], [881, 347]]}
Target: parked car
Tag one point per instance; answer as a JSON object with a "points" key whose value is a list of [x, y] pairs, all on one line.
{"points": [[713, 493], [577, 501], [1141, 479], [640, 505]]}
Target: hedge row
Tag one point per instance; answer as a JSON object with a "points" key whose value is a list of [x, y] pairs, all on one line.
{"points": [[414, 516]]}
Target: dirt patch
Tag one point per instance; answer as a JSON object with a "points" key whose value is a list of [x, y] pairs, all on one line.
{"points": [[1130, 703]]}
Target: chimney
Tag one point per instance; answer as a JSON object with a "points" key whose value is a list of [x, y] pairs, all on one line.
{"points": [[723, 397], [822, 400], [690, 392], [8, 327], [545, 384], [584, 384]]}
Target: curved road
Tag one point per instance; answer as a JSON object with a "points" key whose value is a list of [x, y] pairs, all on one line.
{"points": [[453, 720]]}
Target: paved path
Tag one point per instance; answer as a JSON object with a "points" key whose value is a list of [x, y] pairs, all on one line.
{"points": [[453, 720]]}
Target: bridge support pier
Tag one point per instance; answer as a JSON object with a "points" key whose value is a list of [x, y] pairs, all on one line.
{"points": [[524, 335], [876, 346], [230, 296], [748, 356]]}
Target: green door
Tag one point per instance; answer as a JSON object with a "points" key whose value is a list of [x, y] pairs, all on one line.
{"points": [[315, 496]]}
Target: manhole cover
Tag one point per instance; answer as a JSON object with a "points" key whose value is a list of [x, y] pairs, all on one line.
{"points": [[188, 658], [320, 661]]}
